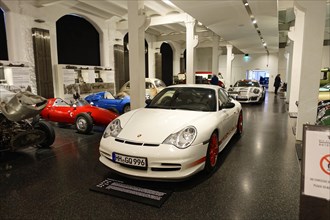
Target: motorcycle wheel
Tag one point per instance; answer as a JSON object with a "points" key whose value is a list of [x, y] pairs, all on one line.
{"points": [[49, 133]]}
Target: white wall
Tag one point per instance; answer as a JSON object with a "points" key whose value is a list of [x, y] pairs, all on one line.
{"points": [[203, 59], [256, 62]]}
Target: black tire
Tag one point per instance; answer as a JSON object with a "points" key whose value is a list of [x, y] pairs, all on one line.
{"points": [[239, 126], [212, 153], [84, 123], [49, 133], [127, 108]]}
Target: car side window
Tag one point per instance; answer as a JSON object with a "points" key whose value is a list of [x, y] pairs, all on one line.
{"points": [[223, 98]]}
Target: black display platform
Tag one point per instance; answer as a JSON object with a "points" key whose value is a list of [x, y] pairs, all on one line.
{"points": [[133, 190]]}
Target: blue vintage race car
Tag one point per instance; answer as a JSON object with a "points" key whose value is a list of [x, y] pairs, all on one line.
{"points": [[119, 103]]}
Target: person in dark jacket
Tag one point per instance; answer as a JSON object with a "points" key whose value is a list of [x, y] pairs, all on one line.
{"points": [[214, 80], [277, 83]]}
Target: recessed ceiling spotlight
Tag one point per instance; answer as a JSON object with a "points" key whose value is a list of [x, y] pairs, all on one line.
{"points": [[264, 44], [246, 4], [254, 21]]}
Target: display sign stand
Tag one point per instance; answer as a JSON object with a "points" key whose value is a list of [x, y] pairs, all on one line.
{"points": [[315, 176]]}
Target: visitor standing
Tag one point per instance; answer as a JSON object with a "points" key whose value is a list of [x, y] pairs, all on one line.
{"points": [[277, 83]]}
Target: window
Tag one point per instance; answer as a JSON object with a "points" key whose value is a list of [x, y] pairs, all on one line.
{"points": [[223, 98], [3, 38]]}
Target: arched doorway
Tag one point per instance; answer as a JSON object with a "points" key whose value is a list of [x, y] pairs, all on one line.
{"points": [[77, 41], [3, 38], [167, 63]]}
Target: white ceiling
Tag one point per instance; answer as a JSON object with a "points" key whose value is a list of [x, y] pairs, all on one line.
{"points": [[227, 18]]}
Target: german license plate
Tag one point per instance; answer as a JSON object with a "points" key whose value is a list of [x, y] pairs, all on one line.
{"points": [[129, 160]]}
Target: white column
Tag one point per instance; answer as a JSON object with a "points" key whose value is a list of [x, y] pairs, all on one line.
{"points": [[13, 36], [104, 48], [313, 37], [288, 56], [151, 58], [136, 27], [296, 35], [230, 58], [191, 43], [215, 55], [176, 48]]}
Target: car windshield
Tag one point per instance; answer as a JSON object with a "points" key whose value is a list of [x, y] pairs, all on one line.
{"points": [[194, 99], [159, 83], [108, 95], [245, 83], [80, 102]]}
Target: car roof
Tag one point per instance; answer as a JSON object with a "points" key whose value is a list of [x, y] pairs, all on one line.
{"points": [[206, 86]]}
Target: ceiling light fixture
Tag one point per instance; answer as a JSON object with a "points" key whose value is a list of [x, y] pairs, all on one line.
{"points": [[254, 22]]}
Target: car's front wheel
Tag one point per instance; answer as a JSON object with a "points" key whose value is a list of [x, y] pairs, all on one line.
{"points": [[212, 153], [84, 123], [127, 108]]}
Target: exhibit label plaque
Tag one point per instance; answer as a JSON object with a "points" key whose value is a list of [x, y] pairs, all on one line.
{"points": [[317, 161]]}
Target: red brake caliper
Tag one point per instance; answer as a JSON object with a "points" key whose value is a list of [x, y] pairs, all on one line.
{"points": [[214, 148], [240, 123]]}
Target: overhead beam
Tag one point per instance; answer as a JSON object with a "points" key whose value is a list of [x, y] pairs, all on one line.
{"points": [[168, 19], [182, 36], [106, 7], [45, 3], [161, 20]]}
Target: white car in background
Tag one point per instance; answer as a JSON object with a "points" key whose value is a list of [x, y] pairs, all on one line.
{"points": [[247, 91], [179, 133], [153, 86]]}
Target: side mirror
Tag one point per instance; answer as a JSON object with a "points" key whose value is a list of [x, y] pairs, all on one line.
{"points": [[228, 105]]}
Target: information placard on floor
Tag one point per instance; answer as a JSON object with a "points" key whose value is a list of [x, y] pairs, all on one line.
{"points": [[133, 191]]}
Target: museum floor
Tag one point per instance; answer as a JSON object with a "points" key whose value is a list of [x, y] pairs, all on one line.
{"points": [[258, 177]]}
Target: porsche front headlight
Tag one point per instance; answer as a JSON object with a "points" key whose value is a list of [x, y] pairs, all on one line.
{"points": [[256, 91], [182, 139], [113, 129]]}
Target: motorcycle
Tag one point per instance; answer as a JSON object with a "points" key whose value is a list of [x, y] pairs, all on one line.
{"points": [[20, 124]]}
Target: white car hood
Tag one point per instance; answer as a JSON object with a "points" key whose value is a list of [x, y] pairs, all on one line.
{"points": [[237, 89], [155, 125]]}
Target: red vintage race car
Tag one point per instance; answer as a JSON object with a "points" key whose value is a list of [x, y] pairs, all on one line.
{"points": [[80, 113]]}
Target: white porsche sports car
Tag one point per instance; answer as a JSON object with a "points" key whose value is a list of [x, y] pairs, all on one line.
{"points": [[247, 91], [179, 133]]}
